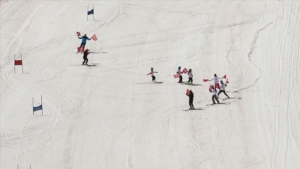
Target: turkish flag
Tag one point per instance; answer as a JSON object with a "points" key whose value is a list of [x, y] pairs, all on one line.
{"points": [[188, 92], [78, 33], [210, 88], [227, 81], [224, 77], [80, 49], [94, 37], [205, 80], [176, 76], [184, 70]]}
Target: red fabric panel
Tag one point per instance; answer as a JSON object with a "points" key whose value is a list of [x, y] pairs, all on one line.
{"points": [[18, 62], [94, 37]]}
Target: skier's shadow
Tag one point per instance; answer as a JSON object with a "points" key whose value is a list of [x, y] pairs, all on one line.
{"points": [[98, 52], [93, 65]]}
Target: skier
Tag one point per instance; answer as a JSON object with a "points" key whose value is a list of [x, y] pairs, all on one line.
{"points": [[83, 42], [179, 73], [216, 80], [152, 74], [190, 76], [190, 94], [223, 89], [214, 95], [85, 59]]}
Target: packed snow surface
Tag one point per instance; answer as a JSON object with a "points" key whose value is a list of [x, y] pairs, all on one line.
{"points": [[109, 115]]}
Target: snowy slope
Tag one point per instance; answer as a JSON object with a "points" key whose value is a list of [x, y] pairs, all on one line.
{"points": [[111, 116]]}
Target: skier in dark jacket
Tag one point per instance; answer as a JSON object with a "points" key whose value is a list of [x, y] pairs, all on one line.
{"points": [[83, 42], [85, 59], [191, 99], [180, 74]]}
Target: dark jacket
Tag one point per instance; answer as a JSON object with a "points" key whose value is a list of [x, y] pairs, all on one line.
{"points": [[191, 95], [85, 53]]}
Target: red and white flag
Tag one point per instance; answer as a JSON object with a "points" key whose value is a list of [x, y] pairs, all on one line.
{"points": [[188, 92], [184, 70], [224, 77], [210, 88], [205, 80], [78, 33], [80, 49], [94, 37], [176, 76], [227, 81]]}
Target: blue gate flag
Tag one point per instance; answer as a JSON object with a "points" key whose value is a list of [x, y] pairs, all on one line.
{"points": [[91, 12], [37, 108]]}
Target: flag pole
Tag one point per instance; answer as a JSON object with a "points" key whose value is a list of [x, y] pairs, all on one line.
{"points": [[32, 107], [14, 63], [42, 105], [22, 62]]}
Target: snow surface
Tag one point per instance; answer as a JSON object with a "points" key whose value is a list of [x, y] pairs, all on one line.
{"points": [[110, 116]]}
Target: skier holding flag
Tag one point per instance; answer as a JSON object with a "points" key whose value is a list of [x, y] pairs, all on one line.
{"points": [[214, 94], [83, 42], [152, 74], [179, 73], [216, 80], [223, 89], [85, 59], [190, 76], [190, 94]]}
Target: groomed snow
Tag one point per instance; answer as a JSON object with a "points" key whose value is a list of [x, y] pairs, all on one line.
{"points": [[110, 116]]}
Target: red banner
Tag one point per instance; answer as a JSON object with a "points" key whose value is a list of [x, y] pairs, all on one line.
{"points": [[80, 49], [188, 92], [176, 76], [78, 33], [94, 37], [18, 62]]}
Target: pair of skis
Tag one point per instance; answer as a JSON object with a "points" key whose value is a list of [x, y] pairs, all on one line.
{"points": [[154, 82]]}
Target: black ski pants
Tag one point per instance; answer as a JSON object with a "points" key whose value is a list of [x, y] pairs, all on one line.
{"points": [[85, 59], [82, 45], [222, 91], [191, 103], [180, 78], [214, 97]]}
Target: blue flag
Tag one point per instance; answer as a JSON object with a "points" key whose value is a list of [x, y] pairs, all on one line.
{"points": [[37, 108], [91, 12]]}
